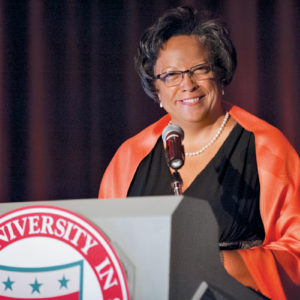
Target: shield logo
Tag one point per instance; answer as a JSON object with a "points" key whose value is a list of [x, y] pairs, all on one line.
{"points": [[51, 253], [55, 282]]}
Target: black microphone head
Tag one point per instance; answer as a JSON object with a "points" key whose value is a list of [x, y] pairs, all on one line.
{"points": [[172, 136]]}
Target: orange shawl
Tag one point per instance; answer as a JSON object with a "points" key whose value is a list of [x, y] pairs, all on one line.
{"points": [[275, 265]]}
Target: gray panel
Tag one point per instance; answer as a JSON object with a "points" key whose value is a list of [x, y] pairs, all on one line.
{"points": [[140, 227]]}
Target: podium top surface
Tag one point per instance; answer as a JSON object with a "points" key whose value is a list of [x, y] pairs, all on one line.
{"points": [[141, 206]]}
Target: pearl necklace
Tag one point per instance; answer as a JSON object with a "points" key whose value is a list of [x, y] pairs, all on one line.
{"points": [[213, 139]]}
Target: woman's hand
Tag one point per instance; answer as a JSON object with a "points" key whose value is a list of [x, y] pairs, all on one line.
{"points": [[234, 265]]}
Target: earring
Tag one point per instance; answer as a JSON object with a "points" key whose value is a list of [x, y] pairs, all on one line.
{"points": [[160, 105], [223, 92]]}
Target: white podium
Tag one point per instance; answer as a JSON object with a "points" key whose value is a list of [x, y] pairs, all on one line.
{"points": [[167, 244]]}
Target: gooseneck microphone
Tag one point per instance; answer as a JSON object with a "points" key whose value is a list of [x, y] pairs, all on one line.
{"points": [[172, 136]]}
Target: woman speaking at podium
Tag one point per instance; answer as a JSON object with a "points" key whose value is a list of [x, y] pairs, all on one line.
{"points": [[244, 167]]}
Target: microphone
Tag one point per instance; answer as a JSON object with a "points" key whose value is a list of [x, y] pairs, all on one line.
{"points": [[173, 135]]}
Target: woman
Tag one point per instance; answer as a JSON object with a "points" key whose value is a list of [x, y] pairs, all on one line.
{"points": [[244, 167]]}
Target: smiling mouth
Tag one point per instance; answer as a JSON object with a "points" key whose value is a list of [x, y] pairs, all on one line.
{"points": [[191, 100]]}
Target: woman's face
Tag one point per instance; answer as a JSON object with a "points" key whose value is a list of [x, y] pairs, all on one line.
{"points": [[189, 101]]}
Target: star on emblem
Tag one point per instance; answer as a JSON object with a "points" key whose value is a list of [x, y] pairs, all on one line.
{"points": [[35, 286], [63, 282], [8, 284]]}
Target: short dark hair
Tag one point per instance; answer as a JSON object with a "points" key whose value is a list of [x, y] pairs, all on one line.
{"points": [[212, 32]]}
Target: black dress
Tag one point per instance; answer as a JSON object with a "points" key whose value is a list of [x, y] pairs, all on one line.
{"points": [[229, 183]]}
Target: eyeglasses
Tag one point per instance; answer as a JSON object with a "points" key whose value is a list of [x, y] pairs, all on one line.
{"points": [[197, 73]]}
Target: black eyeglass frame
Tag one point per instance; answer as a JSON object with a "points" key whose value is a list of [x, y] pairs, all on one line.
{"points": [[190, 72]]}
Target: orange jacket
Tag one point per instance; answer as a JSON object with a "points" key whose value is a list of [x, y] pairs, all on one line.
{"points": [[275, 265]]}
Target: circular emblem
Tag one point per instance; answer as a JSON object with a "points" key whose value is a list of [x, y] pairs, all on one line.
{"points": [[51, 253]]}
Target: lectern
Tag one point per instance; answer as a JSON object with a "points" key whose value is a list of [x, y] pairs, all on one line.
{"points": [[168, 245]]}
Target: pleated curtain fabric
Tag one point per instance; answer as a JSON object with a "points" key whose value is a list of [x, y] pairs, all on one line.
{"points": [[69, 94]]}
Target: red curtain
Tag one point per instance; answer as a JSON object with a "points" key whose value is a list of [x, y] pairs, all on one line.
{"points": [[70, 95]]}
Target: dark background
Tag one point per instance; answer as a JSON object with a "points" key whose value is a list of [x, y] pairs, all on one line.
{"points": [[69, 94]]}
